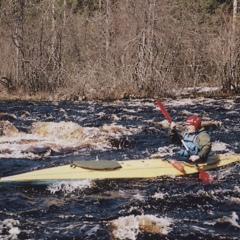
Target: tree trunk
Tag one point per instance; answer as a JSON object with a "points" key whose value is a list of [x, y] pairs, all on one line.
{"points": [[53, 26], [235, 6], [108, 17]]}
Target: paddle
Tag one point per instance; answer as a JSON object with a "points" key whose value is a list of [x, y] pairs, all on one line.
{"points": [[174, 162], [177, 165], [204, 176]]}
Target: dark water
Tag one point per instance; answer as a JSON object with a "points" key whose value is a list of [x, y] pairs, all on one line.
{"points": [[184, 206]]}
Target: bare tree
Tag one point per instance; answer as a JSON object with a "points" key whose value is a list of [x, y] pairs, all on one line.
{"points": [[118, 48], [232, 66]]}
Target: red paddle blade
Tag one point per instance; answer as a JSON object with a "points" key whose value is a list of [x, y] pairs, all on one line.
{"points": [[178, 166], [164, 111], [205, 177]]}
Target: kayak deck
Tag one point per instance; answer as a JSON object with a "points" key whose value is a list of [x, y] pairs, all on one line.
{"points": [[131, 169]]}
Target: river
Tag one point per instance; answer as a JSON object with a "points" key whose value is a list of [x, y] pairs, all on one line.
{"points": [[36, 135]]}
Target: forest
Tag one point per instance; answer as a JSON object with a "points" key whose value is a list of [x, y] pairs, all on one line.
{"points": [[57, 50]]}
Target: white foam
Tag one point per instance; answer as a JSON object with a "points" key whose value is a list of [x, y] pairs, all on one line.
{"points": [[59, 136], [165, 151], [219, 146], [234, 200], [159, 195], [69, 186], [12, 227], [129, 227], [230, 219], [139, 196], [93, 230], [223, 173]]}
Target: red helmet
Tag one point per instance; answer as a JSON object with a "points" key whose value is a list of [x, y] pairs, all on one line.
{"points": [[195, 121]]}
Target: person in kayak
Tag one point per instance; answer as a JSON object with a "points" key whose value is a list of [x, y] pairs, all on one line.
{"points": [[195, 138]]}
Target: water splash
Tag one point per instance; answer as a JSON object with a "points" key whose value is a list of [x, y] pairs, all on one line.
{"points": [[10, 226], [129, 227], [69, 186]]}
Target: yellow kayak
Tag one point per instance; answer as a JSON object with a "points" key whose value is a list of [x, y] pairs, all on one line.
{"points": [[131, 169]]}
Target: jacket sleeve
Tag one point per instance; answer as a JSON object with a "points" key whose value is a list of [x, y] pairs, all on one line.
{"points": [[204, 142], [173, 136]]}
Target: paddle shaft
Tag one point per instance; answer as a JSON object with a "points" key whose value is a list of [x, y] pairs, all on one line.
{"points": [[169, 118]]}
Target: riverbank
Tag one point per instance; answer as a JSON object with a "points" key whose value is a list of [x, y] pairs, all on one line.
{"points": [[62, 95]]}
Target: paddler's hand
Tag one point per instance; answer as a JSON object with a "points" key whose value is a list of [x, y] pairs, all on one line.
{"points": [[173, 126], [194, 158]]}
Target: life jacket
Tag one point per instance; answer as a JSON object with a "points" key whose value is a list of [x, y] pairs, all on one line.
{"points": [[191, 142]]}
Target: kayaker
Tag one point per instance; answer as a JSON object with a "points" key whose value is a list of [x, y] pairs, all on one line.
{"points": [[196, 139]]}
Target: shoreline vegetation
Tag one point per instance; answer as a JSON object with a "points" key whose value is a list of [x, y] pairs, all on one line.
{"points": [[72, 50], [214, 92], [197, 92]]}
